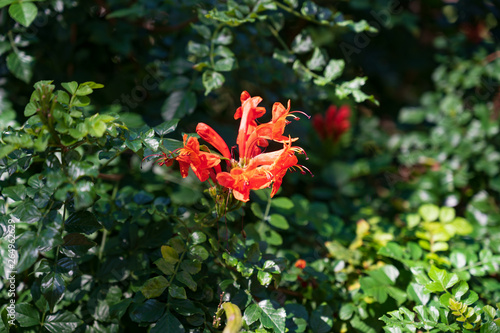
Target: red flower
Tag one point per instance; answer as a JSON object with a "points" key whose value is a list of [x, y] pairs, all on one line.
{"points": [[334, 123], [254, 169], [201, 162], [301, 263]]}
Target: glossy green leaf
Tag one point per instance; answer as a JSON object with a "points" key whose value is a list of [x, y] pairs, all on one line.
{"points": [[82, 221], [27, 315], [61, 322], [272, 316]]}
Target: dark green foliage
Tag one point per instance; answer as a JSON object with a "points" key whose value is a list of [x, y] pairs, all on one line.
{"points": [[398, 231]]}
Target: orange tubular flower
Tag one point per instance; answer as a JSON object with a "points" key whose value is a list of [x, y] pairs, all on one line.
{"points": [[254, 169], [201, 162]]}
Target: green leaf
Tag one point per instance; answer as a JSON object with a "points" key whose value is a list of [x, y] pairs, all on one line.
{"points": [[154, 287], [92, 85], [283, 203], [264, 278], [278, 221], [199, 50], [16, 192], [272, 316], [418, 293], [321, 320], [472, 298], [252, 314], [4, 3], [429, 212], [490, 311], [169, 254], [83, 90], [30, 109], [445, 280], [460, 289], [302, 43], [192, 266], [446, 214], [70, 86], [334, 69], [149, 311], [212, 80], [28, 255], [198, 237], [199, 252], [82, 221], [179, 104], [27, 315], [166, 127], [20, 65], [164, 266], [62, 322], [23, 12], [317, 60], [52, 288], [373, 288], [224, 65], [186, 279], [224, 37], [168, 323], [77, 244], [177, 292], [81, 101]]}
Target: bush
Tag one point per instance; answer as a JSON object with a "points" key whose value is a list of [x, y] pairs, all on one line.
{"points": [[397, 231]]}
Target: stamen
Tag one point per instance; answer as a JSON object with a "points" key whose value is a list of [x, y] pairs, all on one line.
{"points": [[302, 112]]}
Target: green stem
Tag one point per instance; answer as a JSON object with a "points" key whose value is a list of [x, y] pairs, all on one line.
{"points": [[112, 158], [296, 13], [176, 268], [11, 39], [103, 243], [268, 208], [212, 45], [279, 39]]}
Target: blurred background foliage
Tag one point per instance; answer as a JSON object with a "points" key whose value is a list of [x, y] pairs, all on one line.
{"points": [[402, 210]]}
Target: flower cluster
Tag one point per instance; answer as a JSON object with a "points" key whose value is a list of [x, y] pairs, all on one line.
{"points": [[334, 123], [254, 168]]}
